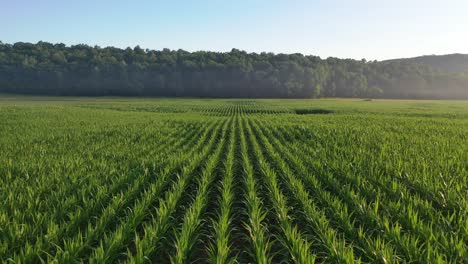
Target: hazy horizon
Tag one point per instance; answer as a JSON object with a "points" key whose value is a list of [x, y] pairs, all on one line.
{"points": [[362, 29], [204, 50]]}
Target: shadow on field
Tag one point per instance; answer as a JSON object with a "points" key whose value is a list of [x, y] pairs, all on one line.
{"points": [[313, 111]]}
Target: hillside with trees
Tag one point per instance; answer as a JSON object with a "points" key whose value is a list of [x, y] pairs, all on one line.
{"points": [[57, 69], [450, 63]]}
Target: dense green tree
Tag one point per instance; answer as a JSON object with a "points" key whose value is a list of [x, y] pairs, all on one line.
{"points": [[57, 69]]}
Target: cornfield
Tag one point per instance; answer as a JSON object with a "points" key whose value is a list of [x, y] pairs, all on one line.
{"points": [[233, 181]]}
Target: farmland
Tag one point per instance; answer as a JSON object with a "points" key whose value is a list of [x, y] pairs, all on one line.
{"points": [[113, 180]]}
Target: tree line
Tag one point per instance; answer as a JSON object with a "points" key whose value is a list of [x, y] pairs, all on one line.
{"points": [[56, 69]]}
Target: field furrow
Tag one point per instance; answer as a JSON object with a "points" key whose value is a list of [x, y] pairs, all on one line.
{"points": [[107, 204], [291, 238], [233, 181]]}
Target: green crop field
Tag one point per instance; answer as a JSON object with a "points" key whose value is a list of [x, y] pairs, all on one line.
{"points": [[109, 180]]}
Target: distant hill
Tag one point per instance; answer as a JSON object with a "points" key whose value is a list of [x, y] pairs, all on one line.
{"points": [[451, 63]]}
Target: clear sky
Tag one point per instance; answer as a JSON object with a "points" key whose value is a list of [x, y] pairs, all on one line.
{"points": [[371, 29]]}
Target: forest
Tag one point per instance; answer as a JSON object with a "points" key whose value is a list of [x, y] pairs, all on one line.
{"points": [[82, 70]]}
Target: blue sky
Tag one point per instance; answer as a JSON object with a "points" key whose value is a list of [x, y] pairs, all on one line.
{"points": [[341, 28]]}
